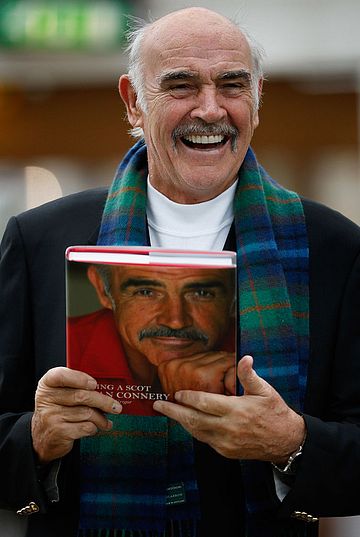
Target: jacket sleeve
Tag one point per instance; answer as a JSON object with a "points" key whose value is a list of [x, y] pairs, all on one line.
{"points": [[23, 483], [328, 476], [19, 482]]}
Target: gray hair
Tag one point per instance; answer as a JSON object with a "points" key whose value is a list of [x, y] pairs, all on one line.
{"points": [[105, 274], [135, 37]]}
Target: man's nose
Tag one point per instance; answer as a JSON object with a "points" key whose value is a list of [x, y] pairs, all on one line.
{"points": [[174, 313], [208, 106]]}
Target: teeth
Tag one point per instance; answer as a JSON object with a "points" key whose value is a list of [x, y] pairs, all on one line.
{"points": [[213, 139]]}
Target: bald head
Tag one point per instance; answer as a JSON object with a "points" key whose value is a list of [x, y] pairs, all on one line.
{"points": [[187, 23], [182, 26]]}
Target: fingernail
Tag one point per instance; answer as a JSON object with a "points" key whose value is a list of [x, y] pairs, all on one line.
{"points": [[109, 424], [157, 406], [116, 407]]}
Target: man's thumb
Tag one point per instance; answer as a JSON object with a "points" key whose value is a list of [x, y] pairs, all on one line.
{"points": [[249, 379]]}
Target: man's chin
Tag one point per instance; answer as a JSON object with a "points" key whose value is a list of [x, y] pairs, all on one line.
{"points": [[165, 349]]}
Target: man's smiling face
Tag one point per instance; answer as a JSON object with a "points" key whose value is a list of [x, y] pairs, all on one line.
{"points": [[200, 113]]}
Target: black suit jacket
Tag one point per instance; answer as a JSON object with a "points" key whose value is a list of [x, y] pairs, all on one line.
{"points": [[32, 340]]}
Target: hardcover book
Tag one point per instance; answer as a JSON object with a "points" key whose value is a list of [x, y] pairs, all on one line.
{"points": [[146, 322]]}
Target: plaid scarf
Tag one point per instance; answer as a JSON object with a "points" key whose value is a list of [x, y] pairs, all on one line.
{"points": [[138, 480], [273, 297], [272, 251]]}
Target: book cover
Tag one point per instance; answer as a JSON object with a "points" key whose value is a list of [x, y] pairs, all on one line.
{"points": [[146, 322]]}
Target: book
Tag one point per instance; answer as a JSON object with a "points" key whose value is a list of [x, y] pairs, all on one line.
{"points": [[146, 322]]}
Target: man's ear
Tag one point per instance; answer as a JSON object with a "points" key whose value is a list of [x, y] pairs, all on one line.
{"points": [[128, 95], [98, 283], [256, 112]]}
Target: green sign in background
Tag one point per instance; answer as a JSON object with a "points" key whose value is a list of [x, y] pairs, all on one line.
{"points": [[62, 25]]}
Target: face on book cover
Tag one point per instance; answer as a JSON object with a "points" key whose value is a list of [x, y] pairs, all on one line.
{"points": [[163, 313]]}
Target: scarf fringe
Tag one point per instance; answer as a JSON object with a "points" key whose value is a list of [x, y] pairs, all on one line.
{"points": [[176, 528]]}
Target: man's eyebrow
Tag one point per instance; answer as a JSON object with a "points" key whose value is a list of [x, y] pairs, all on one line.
{"points": [[210, 284], [140, 282], [232, 75], [170, 76]]}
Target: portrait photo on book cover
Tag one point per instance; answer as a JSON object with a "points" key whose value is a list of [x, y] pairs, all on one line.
{"points": [[145, 332]]}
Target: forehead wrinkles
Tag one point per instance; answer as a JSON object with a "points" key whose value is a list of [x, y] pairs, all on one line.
{"points": [[163, 46], [205, 65], [194, 53], [171, 274]]}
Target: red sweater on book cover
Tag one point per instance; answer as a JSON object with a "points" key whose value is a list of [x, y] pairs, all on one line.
{"points": [[94, 346]]}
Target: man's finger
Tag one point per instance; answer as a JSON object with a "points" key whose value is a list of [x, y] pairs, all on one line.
{"points": [[63, 377], [250, 380], [191, 419], [69, 397], [209, 403], [230, 381], [84, 414]]}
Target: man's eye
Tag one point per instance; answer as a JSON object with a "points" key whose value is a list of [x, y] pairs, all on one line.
{"points": [[233, 87], [202, 294], [146, 293], [183, 85], [180, 90]]}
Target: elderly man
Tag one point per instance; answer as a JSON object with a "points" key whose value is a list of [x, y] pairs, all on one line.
{"points": [[266, 462]]}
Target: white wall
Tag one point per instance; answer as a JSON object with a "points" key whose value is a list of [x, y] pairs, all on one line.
{"points": [[298, 35]]}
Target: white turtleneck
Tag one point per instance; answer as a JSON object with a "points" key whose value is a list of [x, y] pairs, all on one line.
{"points": [[200, 226]]}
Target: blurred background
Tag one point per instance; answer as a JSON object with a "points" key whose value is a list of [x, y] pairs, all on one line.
{"points": [[62, 125]]}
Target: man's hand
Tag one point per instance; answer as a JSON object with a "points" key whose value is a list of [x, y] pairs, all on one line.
{"points": [[212, 372], [258, 425], [67, 408]]}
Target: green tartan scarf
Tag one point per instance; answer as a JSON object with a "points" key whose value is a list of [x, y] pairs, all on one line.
{"points": [[138, 480], [273, 301]]}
